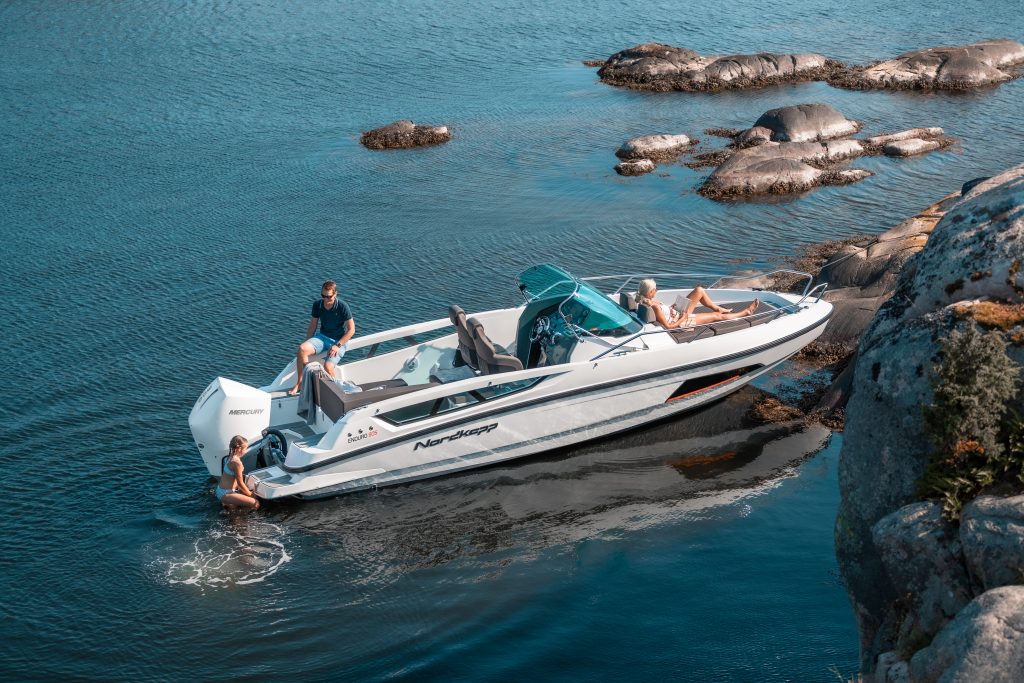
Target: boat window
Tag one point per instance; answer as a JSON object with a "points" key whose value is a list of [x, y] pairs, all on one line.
{"points": [[506, 388], [449, 404], [596, 313], [411, 413]]}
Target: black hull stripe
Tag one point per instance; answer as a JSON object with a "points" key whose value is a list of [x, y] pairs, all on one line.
{"points": [[554, 397], [351, 487]]}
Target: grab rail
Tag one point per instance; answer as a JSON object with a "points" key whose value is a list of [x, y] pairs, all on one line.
{"points": [[706, 327], [631, 277]]}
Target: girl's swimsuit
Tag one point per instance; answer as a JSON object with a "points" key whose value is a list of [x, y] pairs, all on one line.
{"points": [[221, 492]]}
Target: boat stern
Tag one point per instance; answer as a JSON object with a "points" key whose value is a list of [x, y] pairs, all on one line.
{"points": [[224, 409]]}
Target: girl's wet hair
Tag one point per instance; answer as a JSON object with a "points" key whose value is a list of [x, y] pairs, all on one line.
{"points": [[237, 441]]}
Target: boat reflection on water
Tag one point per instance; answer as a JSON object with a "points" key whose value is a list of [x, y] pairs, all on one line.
{"points": [[677, 470]]}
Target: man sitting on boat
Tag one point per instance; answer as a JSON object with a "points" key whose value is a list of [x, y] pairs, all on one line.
{"points": [[671, 318], [337, 326]]}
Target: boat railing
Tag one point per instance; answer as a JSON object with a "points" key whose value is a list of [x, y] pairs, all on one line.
{"points": [[630, 278], [815, 292]]}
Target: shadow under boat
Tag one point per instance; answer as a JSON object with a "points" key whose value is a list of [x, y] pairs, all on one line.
{"points": [[679, 468]]}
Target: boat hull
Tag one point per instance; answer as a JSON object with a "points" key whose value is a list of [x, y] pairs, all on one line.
{"points": [[528, 426]]}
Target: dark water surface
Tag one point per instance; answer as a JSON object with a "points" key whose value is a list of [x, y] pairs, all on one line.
{"points": [[179, 177]]}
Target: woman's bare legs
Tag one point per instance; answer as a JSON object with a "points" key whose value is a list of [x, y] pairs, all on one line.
{"points": [[699, 295], [704, 318]]}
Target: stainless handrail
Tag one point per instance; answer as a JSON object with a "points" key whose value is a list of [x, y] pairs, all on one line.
{"points": [[710, 326], [580, 332], [630, 277]]}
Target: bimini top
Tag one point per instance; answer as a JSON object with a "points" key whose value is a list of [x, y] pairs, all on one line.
{"points": [[582, 307]]}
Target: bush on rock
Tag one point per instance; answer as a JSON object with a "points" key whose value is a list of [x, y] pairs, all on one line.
{"points": [[973, 384]]}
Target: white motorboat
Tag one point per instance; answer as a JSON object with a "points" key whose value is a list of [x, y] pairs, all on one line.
{"points": [[578, 360]]}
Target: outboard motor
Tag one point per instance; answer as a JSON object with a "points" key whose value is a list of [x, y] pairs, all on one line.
{"points": [[224, 409]]}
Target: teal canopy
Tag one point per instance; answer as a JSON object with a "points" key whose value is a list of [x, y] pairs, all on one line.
{"points": [[582, 305]]}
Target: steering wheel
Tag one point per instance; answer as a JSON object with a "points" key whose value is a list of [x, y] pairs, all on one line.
{"points": [[540, 329]]}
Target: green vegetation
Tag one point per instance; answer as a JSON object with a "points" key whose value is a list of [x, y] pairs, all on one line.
{"points": [[977, 441]]}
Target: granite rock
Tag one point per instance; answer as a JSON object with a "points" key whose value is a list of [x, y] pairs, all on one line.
{"points": [[862, 278], [912, 133], [655, 66], [985, 642], [992, 536], [403, 135], [922, 558], [890, 668], [654, 147], [634, 167], [947, 68], [975, 250], [908, 148], [806, 123], [756, 135], [780, 167]]}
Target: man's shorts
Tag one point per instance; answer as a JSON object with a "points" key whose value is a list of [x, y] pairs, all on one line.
{"points": [[321, 342]]}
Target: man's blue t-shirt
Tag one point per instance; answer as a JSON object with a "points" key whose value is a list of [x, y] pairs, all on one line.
{"points": [[332, 320]]}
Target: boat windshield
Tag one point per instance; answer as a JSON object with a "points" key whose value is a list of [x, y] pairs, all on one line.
{"points": [[546, 281], [582, 305]]}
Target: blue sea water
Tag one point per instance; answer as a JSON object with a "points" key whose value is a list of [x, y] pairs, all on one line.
{"points": [[179, 177]]}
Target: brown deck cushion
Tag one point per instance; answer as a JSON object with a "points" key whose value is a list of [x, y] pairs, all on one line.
{"points": [[727, 326], [335, 403]]}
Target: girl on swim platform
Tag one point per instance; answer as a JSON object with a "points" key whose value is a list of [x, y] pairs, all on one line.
{"points": [[231, 489]]}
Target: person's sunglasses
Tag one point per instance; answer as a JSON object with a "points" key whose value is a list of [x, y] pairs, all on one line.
{"points": [[327, 295]]}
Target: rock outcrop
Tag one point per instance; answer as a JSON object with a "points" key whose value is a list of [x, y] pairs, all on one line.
{"points": [[938, 68], [795, 148], [654, 66], [862, 278], [984, 643], [923, 559], [975, 252], [655, 147], [659, 67], [800, 123], [783, 168], [640, 155], [403, 135], [992, 536], [633, 167]]}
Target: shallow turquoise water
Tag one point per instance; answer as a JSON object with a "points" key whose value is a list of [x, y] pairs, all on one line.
{"points": [[178, 178]]}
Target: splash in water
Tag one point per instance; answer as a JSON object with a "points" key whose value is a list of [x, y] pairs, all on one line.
{"points": [[234, 554]]}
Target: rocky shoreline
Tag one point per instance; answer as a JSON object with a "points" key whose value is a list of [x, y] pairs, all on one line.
{"points": [[934, 582]]}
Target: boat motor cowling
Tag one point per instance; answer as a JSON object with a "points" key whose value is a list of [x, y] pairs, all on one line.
{"points": [[224, 409]]}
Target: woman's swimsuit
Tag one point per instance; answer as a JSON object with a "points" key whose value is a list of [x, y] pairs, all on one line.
{"points": [[221, 492], [671, 315]]}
